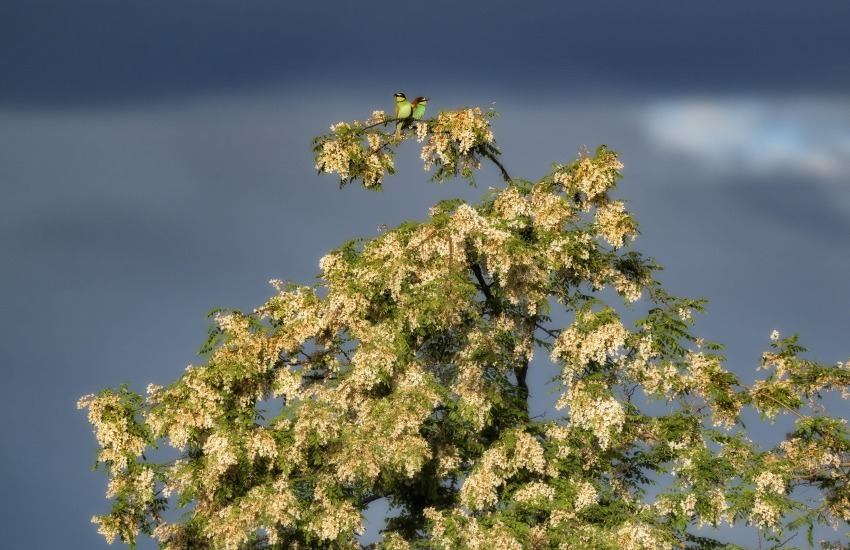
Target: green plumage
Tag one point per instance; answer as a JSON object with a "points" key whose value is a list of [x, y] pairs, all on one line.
{"points": [[419, 107], [403, 111]]}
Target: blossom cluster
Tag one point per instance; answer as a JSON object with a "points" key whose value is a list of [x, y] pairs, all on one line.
{"points": [[456, 141], [590, 177], [119, 435], [765, 512], [602, 414], [591, 338], [346, 154]]}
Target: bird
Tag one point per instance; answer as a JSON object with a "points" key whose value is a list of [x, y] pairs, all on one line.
{"points": [[403, 110], [418, 105]]}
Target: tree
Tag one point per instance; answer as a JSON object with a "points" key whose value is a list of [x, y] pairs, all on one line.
{"points": [[401, 374]]}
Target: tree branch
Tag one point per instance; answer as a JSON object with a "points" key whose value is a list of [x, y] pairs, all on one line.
{"points": [[778, 402], [495, 161], [820, 472], [373, 498], [485, 288], [522, 384], [551, 333]]}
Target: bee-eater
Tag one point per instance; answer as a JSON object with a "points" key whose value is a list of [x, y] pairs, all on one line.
{"points": [[403, 110], [419, 107]]}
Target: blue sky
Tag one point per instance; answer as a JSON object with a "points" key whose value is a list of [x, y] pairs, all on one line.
{"points": [[155, 163]]}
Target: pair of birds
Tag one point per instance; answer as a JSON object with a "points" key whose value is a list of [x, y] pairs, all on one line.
{"points": [[405, 110]]}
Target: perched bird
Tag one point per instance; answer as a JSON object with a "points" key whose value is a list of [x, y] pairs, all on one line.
{"points": [[419, 107], [403, 110]]}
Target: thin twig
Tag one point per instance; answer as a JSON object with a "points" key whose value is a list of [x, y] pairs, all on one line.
{"points": [[389, 120], [553, 333], [778, 402]]}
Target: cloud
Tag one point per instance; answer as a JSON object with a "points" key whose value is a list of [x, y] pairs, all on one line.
{"points": [[756, 137]]}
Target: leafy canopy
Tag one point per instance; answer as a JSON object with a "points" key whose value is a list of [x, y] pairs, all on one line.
{"points": [[401, 374]]}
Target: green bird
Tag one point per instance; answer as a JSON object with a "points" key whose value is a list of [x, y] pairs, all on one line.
{"points": [[419, 107], [403, 110]]}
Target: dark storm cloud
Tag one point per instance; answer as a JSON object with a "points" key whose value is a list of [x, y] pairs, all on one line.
{"points": [[92, 51]]}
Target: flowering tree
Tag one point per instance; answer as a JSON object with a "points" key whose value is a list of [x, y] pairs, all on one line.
{"points": [[402, 375]]}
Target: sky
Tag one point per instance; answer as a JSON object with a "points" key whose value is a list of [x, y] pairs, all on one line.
{"points": [[155, 163]]}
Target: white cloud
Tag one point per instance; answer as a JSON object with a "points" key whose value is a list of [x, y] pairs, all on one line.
{"points": [[762, 137]]}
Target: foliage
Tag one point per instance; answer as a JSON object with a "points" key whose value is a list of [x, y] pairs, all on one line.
{"points": [[402, 374]]}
